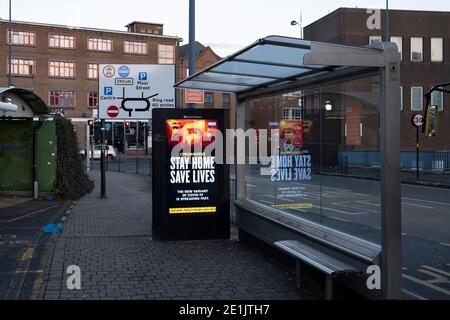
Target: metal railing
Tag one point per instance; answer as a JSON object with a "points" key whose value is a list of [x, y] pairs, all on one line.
{"points": [[131, 165]]}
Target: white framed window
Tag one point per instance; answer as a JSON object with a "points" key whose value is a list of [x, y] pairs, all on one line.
{"points": [[417, 49], [437, 50], [62, 41], [401, 98], [100, 44], [166, 54], [22, 38], [61, 69], [399, 42], [92, 71], [135, 47], [416, 98], [374, 39], [22, 67], [437, 99], [292, 114]]}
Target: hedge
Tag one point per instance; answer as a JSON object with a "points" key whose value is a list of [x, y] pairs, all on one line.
{"points": [[72, 181]]}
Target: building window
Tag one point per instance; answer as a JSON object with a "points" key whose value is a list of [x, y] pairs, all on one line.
{"points": [[437, 49], [399, 42], [209, 98], [226, 99], [61, 41], [437, 99], [416, 49], [374, 39], [100, 44], [292, 114], [92, 71], [93, 99], [21, 67], [134, 47], [61, 99], [22, 38], [416, 98], [61, 69], [401, 98], [166, 54]]}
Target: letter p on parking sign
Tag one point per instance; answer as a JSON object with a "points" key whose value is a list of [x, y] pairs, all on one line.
{"points": [[108, 91], [142, 76]]}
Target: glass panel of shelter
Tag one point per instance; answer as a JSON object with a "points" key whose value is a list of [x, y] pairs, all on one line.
{"points": [[322, 156]]}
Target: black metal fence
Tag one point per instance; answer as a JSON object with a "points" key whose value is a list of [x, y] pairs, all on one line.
{"points": [[133, 165]]}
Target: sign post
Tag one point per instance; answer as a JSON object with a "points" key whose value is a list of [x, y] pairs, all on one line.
{"points": [[102, 162], [190, 183], [417, 122]]}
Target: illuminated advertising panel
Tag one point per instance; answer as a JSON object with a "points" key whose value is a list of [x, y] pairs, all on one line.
{"points": [[190, 185]]}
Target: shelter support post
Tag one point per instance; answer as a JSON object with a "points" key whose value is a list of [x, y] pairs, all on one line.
{"points": [[240, 168], [391, 257]]}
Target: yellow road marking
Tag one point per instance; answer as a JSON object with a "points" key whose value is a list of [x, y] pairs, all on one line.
{"points": [[28, 254]]}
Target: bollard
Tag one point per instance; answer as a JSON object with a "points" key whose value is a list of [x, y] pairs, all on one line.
{"points": [[119, 163], [137, 165]]}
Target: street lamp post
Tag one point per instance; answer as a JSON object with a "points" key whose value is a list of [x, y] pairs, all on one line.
{"points": [[9, 47], [298, 23]]}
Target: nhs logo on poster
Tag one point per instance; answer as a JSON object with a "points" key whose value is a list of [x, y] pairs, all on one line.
{"points": [[142, 76], [124, 71]]}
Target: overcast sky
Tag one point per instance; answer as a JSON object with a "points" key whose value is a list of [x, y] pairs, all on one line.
{"points": [[225, 25]]}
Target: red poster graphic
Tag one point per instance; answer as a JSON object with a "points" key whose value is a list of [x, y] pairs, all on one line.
{"points": [[353, 125], [291, 134], [191, 132]]}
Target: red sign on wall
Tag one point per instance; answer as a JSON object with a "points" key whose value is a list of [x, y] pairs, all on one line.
{"points": [[353, 126], [194, 96]]}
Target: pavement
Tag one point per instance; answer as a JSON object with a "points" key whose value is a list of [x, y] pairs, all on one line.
{"points": [[22, 244], [9, 201], [110, 241]]}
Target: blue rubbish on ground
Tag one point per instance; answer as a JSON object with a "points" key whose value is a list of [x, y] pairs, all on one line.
{"points": [[53, 228], [51, 197]]}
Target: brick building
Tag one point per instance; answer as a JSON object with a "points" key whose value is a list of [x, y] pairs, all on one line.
{"points": [[423, 38], [60, 63], [205, 57]]}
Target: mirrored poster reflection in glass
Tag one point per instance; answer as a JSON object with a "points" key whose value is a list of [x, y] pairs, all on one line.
{"points": [[292, 164]]}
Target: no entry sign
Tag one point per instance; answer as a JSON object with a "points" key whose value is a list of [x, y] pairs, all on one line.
{"points": [[112, 111]]}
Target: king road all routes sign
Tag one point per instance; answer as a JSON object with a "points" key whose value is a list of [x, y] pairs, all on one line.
{"points": [[131, 91]]}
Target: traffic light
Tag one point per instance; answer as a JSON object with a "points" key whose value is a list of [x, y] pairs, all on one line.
{"points": [[91, 127]]}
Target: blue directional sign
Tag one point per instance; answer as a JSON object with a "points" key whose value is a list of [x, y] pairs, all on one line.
{"points": [[142, 76], [108, 91], [108, 127]]}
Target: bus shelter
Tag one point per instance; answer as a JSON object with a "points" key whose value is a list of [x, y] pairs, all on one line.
{"points": [[332, 106]]}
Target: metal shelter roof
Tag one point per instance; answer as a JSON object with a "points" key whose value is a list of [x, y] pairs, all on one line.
{"points": [[36, 103], [277, 61]]}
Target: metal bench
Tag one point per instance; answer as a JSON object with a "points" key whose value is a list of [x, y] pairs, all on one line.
{"points": [[327, 264]]}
